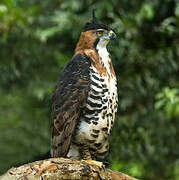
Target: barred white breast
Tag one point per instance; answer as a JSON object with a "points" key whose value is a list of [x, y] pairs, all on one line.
{"points": [[98, 116]]}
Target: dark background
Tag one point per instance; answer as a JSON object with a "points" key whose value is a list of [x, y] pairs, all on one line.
{"points": [[37, 38]]}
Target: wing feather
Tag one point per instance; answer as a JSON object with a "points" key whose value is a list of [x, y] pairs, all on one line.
{"points": [[68, 100]]}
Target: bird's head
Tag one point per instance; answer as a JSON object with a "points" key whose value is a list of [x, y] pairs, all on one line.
{"points": [[101, 31], [95, 34]]}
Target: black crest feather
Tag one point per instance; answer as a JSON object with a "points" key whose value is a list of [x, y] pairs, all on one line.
{"points": [[94, 19], [94, 24]]}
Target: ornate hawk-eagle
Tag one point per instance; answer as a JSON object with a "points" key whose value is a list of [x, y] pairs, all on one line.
{"points": [[85, 98]]}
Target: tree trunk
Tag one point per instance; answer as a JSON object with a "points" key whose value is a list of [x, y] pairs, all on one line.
{"points": [[60, 168]]}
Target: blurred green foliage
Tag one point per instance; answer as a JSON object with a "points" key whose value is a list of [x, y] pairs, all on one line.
{"points": [[37, 38]]}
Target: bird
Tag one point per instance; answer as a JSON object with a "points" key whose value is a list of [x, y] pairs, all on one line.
{"points": [[85, 98]]}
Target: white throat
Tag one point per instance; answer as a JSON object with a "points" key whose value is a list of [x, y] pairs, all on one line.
{"points": [[104, 54]]}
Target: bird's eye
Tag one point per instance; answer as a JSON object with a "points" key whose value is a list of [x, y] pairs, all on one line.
{"points": [[99, 33]]}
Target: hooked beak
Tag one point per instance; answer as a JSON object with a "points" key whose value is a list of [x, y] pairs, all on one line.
{"points": [[112, 35]]}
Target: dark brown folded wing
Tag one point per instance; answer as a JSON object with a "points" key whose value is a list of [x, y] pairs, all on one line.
{"points": [[68, 101]]}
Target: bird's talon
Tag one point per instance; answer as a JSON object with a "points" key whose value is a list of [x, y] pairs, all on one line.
{"points": [[103, 167]]}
